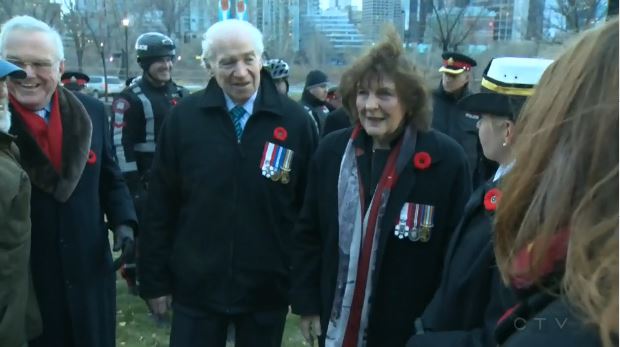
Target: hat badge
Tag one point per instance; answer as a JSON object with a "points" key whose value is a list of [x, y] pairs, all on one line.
{"points": [[450, 61]]}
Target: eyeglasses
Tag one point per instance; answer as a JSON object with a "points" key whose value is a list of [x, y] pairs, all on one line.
{"points": [[41, 65]]}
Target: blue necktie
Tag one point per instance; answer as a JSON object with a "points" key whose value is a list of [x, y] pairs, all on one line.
{"points": [[236, 114]]}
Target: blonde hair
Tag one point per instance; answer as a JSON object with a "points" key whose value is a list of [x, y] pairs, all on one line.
{"points": [[566, 177]]}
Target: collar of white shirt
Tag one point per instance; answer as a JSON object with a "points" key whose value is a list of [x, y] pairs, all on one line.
{"points": [[43, 113], [502, 170], [248, 106]]}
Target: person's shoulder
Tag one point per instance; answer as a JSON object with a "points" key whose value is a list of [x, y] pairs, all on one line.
{"points": [[191, 100], [334, 142], [186, 108], [339, 113], [127, 95], [87, 99], [94, 107], [90, 103], [290, 104], [446, 146], [558, 324], [292, 110], [181, 89]]}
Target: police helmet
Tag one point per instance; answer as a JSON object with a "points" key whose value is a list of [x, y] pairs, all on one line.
{"points": [[278, 68], [154, 45]]}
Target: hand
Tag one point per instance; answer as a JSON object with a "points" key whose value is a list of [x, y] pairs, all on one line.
{"points": [[123, 240], [310, 328], [159, 307]]}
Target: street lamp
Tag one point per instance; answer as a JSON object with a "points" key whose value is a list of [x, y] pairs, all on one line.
{"points": [[126, 25]]}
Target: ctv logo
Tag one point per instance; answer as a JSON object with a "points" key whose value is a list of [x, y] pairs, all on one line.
{"points": [[540, 323]]}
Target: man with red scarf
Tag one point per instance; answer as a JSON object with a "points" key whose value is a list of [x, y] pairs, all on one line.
{"points": [[67, 154]]}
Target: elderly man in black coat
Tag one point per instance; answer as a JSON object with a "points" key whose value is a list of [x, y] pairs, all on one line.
{"points": [[228, 181], [66, 152]]}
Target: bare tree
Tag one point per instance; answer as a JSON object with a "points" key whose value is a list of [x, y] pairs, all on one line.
{"points": [[417, 19], [74, 24], [452, 26], [536, 10], [316, 49], [40, 9], [578, 15], [172, 11]]}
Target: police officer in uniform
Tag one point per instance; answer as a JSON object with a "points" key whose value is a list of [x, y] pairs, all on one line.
{"points": [[453, 121], [138, 113], [74, 80]]}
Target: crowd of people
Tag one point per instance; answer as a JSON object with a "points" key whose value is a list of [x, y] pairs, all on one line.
{"points": [[380, 212]]}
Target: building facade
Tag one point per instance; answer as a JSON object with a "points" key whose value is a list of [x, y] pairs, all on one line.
{"points": [[377, 13]]}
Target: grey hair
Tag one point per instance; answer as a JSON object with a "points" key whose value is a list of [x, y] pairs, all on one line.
{"points": [[28, 23], [230, 28]]}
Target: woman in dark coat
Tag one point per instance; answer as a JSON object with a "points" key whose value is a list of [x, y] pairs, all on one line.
{"points": [[472, 297], [557, 225], [382, 201]]}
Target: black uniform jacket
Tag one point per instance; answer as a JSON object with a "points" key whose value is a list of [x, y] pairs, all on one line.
{"points": [[133, 123], [461, 126], [316, 108], [408, 272], [471, 297], [336, 120], [217, 231], [70, 255]]}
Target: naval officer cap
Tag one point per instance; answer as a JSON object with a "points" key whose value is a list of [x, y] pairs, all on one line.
{"points": [[506, 83]]}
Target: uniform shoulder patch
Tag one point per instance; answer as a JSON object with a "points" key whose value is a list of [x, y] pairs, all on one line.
{"points": [[120, 105]]}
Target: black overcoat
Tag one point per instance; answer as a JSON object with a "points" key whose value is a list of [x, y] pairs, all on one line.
{"points": [[408, 272], [471, 297], [461, 126], [70, 257], [217, 233]]}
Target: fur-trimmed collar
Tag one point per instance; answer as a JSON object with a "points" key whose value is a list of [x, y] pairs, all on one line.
{"points": [[77, 131]]}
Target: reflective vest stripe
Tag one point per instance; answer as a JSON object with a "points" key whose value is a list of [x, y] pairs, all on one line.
{"points": [[148, 115], [117, 140]]}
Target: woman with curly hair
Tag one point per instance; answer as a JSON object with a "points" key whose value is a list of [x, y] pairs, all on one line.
{"points": [[557, 223], [382, 201]]}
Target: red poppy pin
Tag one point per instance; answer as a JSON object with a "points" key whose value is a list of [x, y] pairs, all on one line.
{"points": [[422, 160], [92, 157], [491, 199], [280, 134], [173, 102]]}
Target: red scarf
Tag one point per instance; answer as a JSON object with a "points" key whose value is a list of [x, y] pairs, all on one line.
{"points": [[47, 135], [555, 256]]}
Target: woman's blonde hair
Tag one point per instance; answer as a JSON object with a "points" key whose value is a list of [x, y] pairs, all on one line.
{"points": [[566, 177], [387, 58]]}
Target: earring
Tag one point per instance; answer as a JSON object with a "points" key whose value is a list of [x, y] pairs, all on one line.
{"points": [[504, 144]]}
